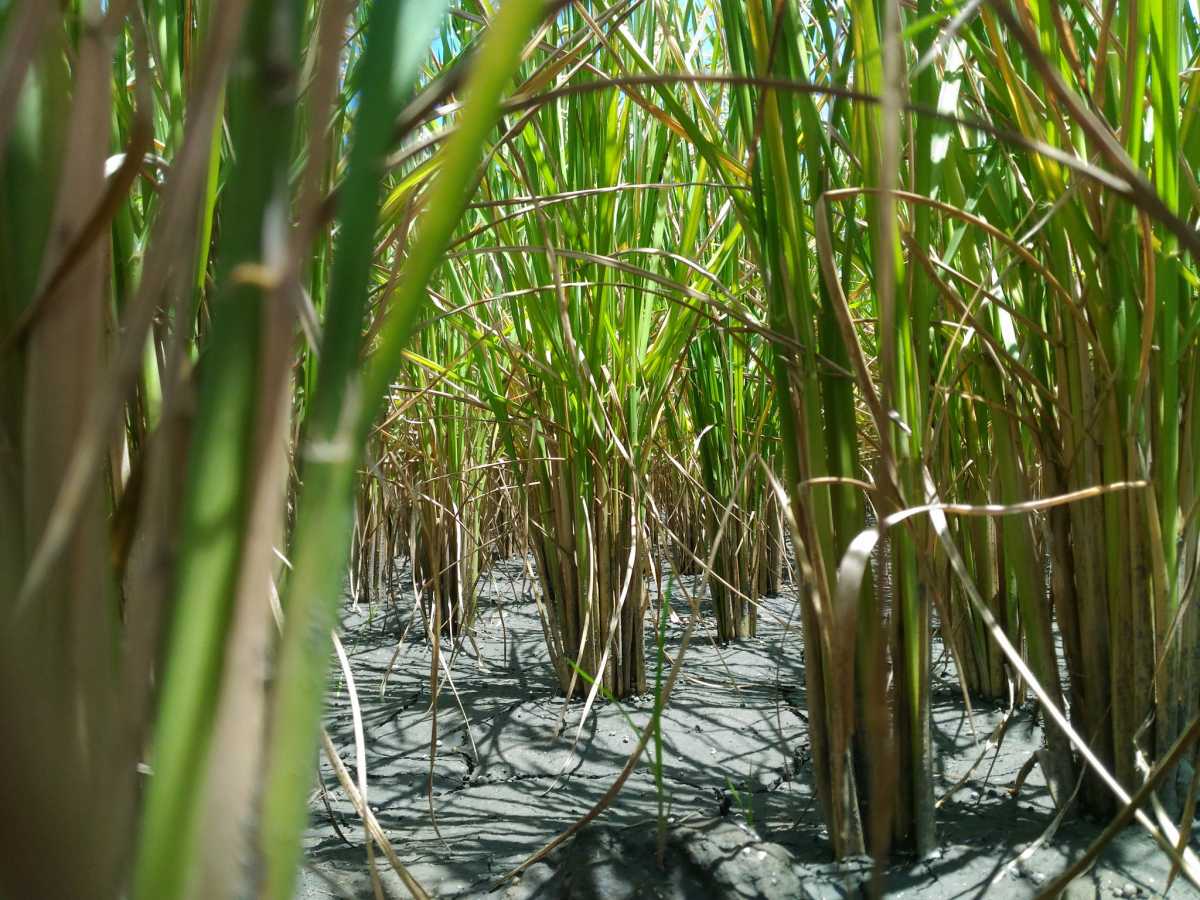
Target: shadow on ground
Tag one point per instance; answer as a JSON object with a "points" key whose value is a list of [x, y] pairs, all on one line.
{"points": [[513, 769]]}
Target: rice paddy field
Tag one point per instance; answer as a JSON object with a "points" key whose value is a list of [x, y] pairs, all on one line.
{"points": [[599, 448]]}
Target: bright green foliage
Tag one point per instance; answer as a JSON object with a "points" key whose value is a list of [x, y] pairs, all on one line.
{"points": [[709, 282], [157, 574]]}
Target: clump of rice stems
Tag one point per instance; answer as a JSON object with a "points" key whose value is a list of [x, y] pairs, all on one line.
{"points": [[731, 400], [377, 540], [771, 550], [818, 428], [1077, 313], [677, 533], [981, 666], [579, 326], [444, 482], [973, 300], [502, 526]]}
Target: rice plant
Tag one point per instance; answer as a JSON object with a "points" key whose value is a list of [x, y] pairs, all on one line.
{"points": [[179, 334], [899, 298]]}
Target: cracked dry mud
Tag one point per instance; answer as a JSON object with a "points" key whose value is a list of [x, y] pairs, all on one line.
{"points": [[505, 780]]}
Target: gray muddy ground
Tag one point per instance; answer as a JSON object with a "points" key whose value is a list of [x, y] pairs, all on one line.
{"points": [[737, 783]]}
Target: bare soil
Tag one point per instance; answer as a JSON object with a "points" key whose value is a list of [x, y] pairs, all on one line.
{"points": [[514, 769]]}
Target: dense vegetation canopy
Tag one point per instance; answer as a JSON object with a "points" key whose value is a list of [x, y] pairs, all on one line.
{"points": [[896, 299]]}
